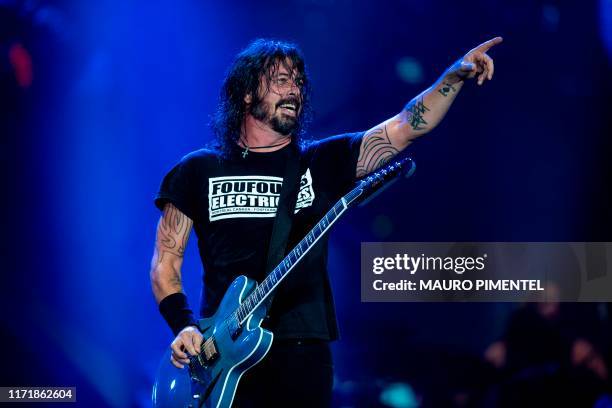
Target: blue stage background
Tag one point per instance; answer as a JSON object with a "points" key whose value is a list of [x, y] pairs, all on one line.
{"points": [[119, 91]]}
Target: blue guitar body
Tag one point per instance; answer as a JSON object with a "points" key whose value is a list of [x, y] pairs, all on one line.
{"points": [[214, 383]]}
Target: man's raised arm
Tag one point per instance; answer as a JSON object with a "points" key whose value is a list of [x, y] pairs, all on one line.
{"points": [[381, 143]]}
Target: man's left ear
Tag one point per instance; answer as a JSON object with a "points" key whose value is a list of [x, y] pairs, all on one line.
{"points": [[248, 98]]}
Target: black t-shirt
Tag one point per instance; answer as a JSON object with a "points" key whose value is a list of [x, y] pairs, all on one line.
{"points": [[232, 202]]}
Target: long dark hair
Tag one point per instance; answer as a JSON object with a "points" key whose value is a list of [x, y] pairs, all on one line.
{"points": [[258, 59]]}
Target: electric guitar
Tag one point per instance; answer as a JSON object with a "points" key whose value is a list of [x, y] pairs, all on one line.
{"points": [[233, 339]]}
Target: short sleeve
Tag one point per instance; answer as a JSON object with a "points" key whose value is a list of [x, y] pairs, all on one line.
{"points": [[337, 157], [177, 187]]}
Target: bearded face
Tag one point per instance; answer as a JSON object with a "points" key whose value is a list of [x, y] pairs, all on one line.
{"points": [[282, 116], [279, 107]]}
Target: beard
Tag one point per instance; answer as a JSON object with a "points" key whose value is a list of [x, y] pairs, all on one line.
{"points": [[283, 124]]}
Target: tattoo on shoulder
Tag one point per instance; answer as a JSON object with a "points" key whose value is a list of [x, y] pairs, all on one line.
{"points": [[173, 231], [376, 150], [415, 110]]}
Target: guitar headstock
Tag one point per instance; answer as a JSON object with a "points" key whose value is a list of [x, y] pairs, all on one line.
{"points": [[374, 181], [388, 172]]}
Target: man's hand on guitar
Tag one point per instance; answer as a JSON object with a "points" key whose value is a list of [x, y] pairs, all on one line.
{"points": [[186, 343]]}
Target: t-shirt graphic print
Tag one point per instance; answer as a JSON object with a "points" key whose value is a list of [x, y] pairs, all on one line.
{"points": [[252, 196]]}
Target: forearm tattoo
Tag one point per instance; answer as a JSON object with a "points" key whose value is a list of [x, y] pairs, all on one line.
{"points": [[376, 150], [414, 111], [446, 89], [173, 232]]}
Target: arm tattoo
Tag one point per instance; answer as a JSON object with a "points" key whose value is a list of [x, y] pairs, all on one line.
{"points": [[376, 150], [446, 89], [174, 228], [415, 110]]}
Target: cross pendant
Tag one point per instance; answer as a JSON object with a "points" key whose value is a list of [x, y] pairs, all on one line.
{"points": [[245, 152]]}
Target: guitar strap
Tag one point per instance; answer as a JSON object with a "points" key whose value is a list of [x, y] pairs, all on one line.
{"points": [[284, 213]]}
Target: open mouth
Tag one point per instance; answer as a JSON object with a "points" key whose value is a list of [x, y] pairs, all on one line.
{"points": [[289, 108]]}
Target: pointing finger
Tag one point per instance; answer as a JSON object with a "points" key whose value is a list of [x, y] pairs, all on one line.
{"points": [[485, 46]]}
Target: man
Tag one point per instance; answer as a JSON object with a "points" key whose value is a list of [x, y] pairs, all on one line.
{"points": [[229, 195]]}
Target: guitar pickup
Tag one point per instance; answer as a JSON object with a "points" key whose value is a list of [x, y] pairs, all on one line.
{"points": [[210, 350], [207, 355]]}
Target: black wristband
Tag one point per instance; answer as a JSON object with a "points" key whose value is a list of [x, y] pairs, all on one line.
{"points": [[175, 310]]}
